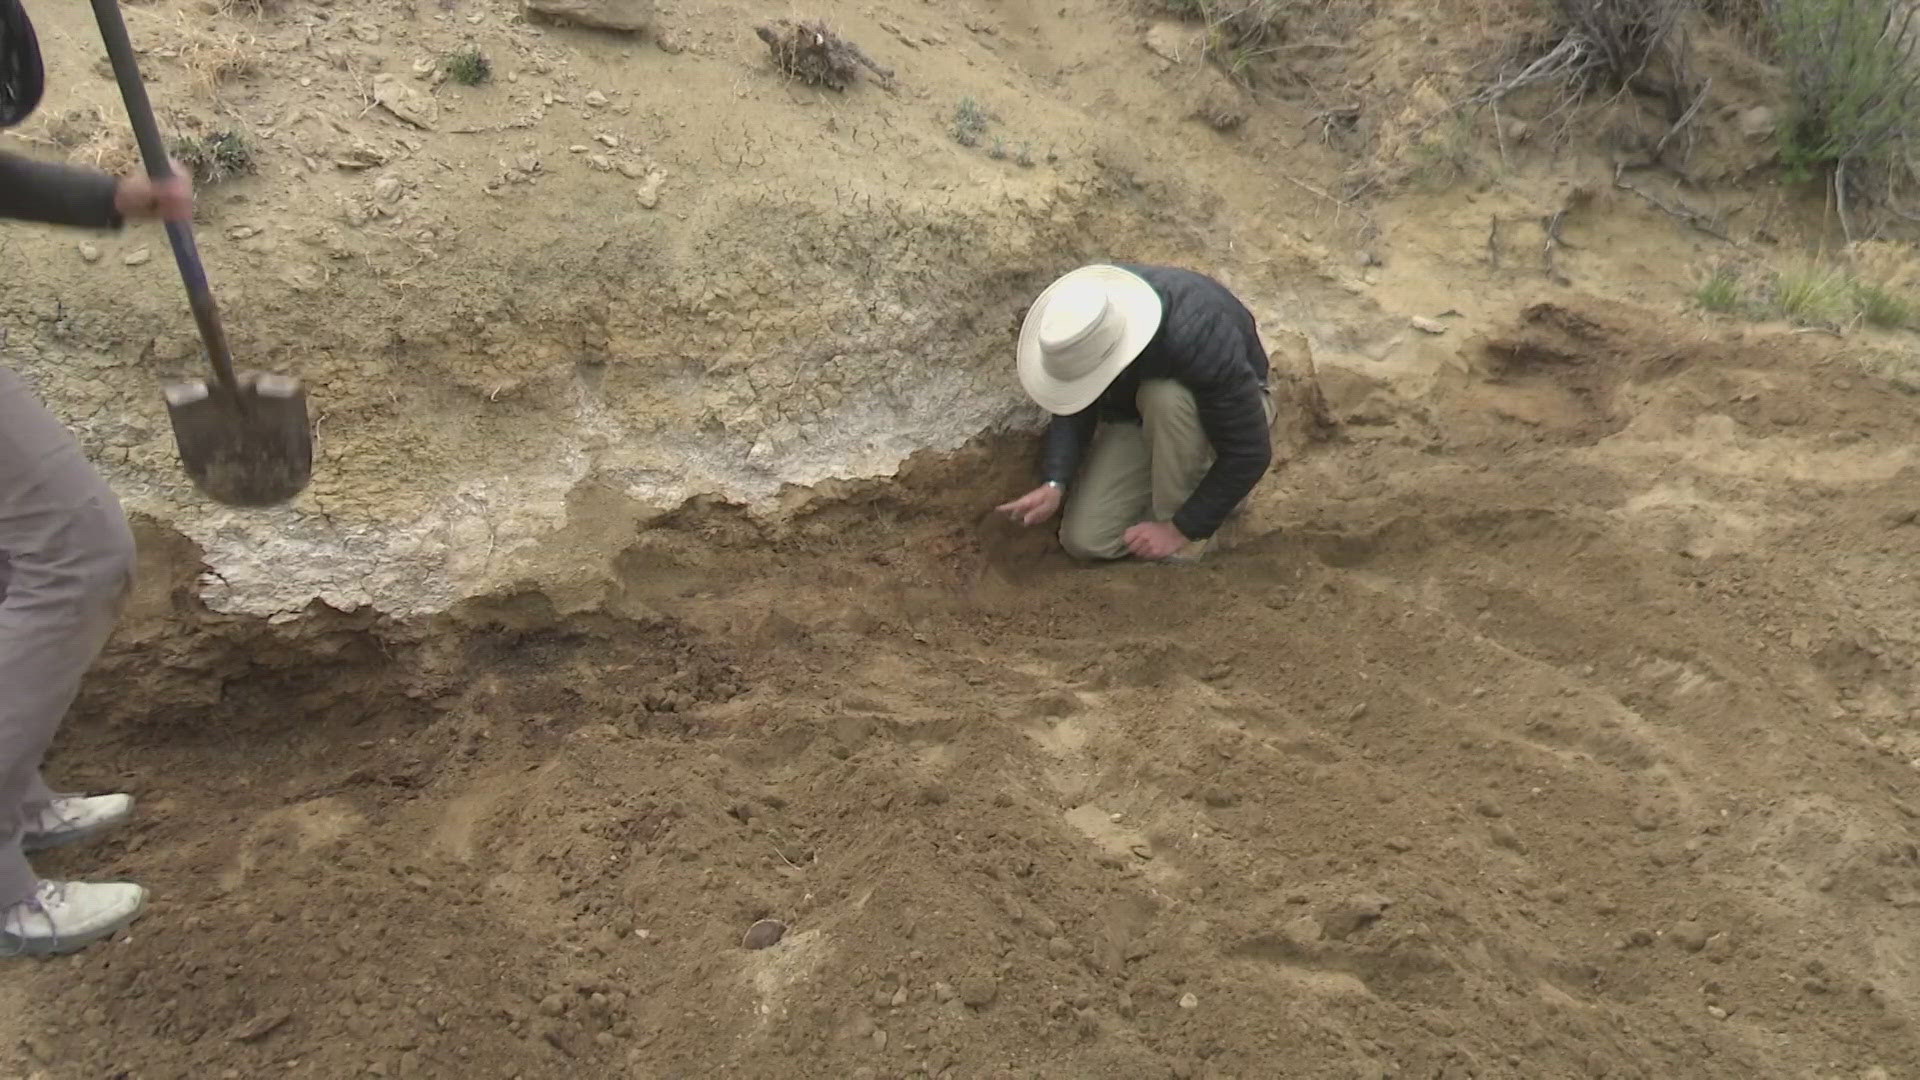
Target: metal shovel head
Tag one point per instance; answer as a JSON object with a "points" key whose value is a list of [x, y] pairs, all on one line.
{"points": [[250, 449]]}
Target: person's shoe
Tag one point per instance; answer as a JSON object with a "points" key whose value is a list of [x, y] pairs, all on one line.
{"points": [[70, 819], [67, 916]]}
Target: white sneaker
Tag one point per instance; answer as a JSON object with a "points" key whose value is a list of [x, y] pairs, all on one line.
{"points": [[70, 819], [67, 916]]}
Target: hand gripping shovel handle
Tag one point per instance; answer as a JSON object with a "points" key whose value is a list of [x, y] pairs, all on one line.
{"points": [[113, 31]]}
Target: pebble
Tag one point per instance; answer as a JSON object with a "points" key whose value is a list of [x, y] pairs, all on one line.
{"points": [[1688, 936], [978, 991], [1189, 1001], [942, 992], [137, 257], [763, 934], [90, 252], [1717, 1012], [596, 99], [1428, 326]]}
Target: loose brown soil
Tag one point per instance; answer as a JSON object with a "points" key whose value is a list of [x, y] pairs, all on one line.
{"points": [[1573, 743], [1553, 715]]}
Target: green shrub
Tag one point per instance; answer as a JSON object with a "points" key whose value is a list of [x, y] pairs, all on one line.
{"points": [[468, 66], [1721, 291], [1855, 87], [214, 157], [1882, 307], [1813, 294]]}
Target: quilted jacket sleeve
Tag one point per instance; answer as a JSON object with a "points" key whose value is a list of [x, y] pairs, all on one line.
{"points": [[56, 194], [1212, 351], [1066, 442]]}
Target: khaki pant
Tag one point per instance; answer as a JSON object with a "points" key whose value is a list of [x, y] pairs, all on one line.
{"points": [[1138, 472], [66, 562]]}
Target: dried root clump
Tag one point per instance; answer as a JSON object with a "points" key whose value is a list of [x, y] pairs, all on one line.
{"points": [[810, 52]]}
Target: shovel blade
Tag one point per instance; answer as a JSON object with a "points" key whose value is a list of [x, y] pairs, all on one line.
{"points": [[252, 449]]}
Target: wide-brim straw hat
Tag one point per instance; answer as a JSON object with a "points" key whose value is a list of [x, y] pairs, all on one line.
{"points": [[1082, 333]]}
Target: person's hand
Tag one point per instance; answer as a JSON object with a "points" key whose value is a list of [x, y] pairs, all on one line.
{"points": [[1034, 507], [139, 198], [1154, 540]]}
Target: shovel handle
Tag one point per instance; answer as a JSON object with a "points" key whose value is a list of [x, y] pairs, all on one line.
{"points": [[133, 91]]}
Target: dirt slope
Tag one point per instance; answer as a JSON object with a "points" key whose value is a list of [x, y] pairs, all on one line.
{"points": [[1555, 719]]}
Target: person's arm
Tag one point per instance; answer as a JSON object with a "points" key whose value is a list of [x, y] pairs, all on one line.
{"points": [[54, 194], [1233, 415], [1066, 441]]}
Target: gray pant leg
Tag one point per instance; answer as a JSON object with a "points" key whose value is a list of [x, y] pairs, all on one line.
{"points": [[69, 563]]}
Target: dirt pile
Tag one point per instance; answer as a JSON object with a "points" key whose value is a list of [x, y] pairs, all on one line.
{"points": [[1570, 751]]}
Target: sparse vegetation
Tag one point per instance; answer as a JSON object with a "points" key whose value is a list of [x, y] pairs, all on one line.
{"points": [[1623, 41], [1721, 291], [1883, 307], [214, 157], [1239, 32], [1811, 293], [1855, 86], [970, 122], [468, 66]]}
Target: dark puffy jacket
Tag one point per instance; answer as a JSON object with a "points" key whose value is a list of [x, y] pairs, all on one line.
{"points": [[56, 194], [1209, 344]]}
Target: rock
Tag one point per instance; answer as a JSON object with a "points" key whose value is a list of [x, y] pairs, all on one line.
{"points": [[942, 993], [1428, 326], [763, 934], [137, 257], [649, 190], [596, 99], [978, 991], [89, 252], [1757, 123], [1348, 918], [1189, 1001], [1175, 42], [404, 102], [624, 16], [1688, 936], [553, 1005], [261, 1026]]}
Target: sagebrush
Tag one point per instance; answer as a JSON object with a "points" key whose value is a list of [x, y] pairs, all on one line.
{"points": [[1855, 87]]}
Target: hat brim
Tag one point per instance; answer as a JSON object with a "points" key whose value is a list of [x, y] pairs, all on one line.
{"points": [[1136, 305]]}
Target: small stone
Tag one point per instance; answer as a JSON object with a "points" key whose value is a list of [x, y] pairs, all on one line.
{"points": [[1400, 844], [596, 99], [899, 998], [764, 934], [89, 252], [978, 991], [1428, 326], [1347, 919], [137, 257], [1688, 936], [649, 195], [1717, 1012], [604, 139], [942, 993], [553, 1005], [1189, 1001]]}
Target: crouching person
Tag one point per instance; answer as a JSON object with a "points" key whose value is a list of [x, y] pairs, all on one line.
{"points": [[1162, 412]]}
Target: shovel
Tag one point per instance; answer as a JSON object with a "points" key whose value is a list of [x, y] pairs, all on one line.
{"points": [[244, 438]]}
